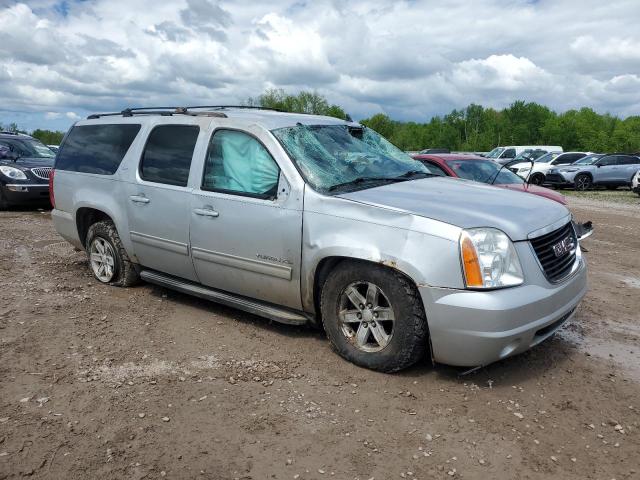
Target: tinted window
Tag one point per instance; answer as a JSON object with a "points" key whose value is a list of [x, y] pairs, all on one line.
{"points": [[96, 148], [628, 160], [28, 148], [238, 163], [568, 158], [509, 153], [608, 160], [436, 169], [168, 153]]}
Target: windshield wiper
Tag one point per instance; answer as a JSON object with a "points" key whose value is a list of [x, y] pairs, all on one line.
{"points": [[415, 173], [359, 180], [410, 175]]}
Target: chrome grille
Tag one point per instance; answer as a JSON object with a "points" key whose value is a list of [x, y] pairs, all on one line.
{"points": [[42, 172], [555, 267]]}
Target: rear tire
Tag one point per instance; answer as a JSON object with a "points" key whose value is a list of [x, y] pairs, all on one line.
{"points": [[536, 179], [583, 182], [373, 316], [108, 259]]}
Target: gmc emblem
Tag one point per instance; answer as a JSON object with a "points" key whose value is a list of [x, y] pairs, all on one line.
{"points": [[563, 246]]}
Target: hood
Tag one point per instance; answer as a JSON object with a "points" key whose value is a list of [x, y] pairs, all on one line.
{"points": [[536, 190], [466, 204]]}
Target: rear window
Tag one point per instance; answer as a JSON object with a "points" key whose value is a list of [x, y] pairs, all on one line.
{"points": [[96, 148]]}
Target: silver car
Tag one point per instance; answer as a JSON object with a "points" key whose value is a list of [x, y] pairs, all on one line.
{"points": [[309, 219], [610, 171]]}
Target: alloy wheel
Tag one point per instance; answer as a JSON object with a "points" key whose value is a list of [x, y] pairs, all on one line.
{"points": [[366, 316], [102, 259]]}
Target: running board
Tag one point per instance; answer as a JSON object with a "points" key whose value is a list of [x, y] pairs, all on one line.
{"points": [[256, 307]]}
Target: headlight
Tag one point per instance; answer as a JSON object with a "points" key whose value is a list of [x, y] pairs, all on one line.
{"points": [[568, 170], [12, 172], [489, 259], [525, 169]]}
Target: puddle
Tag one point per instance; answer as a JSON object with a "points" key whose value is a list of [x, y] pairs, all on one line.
{"points": [[625, 355]]}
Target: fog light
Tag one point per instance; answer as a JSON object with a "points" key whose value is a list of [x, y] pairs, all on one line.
{"points": [[17, 188]]}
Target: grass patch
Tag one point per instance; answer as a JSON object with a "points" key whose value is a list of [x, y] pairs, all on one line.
{"points": [[615, 196]]}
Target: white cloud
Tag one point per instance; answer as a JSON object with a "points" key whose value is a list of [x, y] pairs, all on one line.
{"points": [[411, 59]]}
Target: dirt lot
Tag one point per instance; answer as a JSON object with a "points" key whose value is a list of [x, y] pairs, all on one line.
{"points": [[100, 382]]}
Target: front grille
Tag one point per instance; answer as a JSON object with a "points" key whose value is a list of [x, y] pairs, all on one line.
{"points": [[42, 172], [555, 267], [554, 178]]}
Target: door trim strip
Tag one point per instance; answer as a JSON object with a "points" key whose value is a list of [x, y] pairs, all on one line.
{"points": [[243, 263], [162, 243]]}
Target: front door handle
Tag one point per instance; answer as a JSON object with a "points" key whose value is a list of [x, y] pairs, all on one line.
{"points": [[139, 199], [206, 212]]}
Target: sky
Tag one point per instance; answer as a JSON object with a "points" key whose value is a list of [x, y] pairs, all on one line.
{"points": [[61, 60]]}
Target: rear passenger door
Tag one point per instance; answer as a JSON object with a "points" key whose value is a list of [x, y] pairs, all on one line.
{"points": [[606, 169], [246, 226], [159, 199]]}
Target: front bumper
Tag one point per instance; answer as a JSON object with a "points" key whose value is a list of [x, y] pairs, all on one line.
{"points": [[472, 328], [559, 179], [26, 193]]}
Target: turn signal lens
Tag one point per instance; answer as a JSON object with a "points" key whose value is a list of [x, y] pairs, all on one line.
{"points": [[472, 274]]}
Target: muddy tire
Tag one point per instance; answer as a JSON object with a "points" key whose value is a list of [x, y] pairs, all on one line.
{"points": [[108, 259], [582, 182], [373, 316], [536, 179]]}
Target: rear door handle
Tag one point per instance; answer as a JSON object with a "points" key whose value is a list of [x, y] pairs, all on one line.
{"points": [[139, 199], [206, 212]]}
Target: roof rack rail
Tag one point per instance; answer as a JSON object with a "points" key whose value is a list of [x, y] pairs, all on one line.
{"points": [[8, 132], [130, 111]]}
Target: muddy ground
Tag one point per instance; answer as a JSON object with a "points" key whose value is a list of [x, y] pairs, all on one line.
{"points": [[101, 382]]}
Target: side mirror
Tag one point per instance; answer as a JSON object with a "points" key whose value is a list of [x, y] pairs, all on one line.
{"points": [[598, 165]]}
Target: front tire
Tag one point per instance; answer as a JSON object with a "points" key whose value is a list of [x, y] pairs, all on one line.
{"points": [[108, 259], [373, 316], [537, 179], [583, 182]]}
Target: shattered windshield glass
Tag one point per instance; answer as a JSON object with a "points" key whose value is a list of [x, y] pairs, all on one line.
{"points": [[331, 156]]}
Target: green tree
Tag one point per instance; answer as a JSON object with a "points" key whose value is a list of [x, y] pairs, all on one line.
{"points": [[304, 102]]}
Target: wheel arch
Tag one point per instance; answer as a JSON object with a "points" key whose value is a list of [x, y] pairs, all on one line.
{"points": [[87, 216]]}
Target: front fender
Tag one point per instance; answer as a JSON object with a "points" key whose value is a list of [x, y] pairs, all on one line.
{"points": [[391, 238]]}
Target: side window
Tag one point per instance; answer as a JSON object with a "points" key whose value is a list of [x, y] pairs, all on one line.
{"points": [[238, 163], [96, 148], [607, 161], [168, 153], [628, 160], [436, 169], [567, 159], [509, 153]]}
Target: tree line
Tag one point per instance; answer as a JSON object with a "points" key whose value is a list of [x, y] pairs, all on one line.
{"points": [[474, 128]]}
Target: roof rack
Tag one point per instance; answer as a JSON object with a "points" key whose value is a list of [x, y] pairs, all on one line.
{"points": [[169, 111], [17, 134]]}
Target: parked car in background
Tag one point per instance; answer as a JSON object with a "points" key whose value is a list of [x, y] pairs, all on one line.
{"points": [[612, 170], [435, 150], [25, 164], [304, 218], [483, 170], [503, 155], [635, 183], [536, 173], [55, 148]]}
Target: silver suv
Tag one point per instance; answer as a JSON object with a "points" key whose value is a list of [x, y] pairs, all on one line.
{"points": [[310, 219]]}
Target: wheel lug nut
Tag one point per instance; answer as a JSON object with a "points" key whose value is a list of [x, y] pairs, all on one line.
{"points": [[375, 314], [369, 305], [361, 306], [359, 315]]}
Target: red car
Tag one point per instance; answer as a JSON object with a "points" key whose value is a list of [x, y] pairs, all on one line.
{"points": [[482, 169]]}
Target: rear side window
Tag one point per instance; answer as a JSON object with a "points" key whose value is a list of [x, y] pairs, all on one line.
{"points": [[168, 153], [628, 160], [509, 153], [96, 148]]}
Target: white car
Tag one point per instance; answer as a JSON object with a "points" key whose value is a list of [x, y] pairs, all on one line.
{"points": [[635, 182], [503, 155], [537, 172]]}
